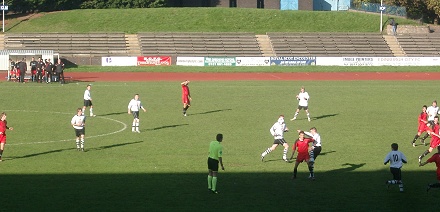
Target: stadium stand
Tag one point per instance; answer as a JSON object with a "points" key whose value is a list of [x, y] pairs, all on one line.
{"points": [[420, 45], [70, 44], [329, 44], [199, 44]]}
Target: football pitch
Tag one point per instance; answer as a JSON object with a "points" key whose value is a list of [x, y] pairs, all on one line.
{"points": [[164, 167]]}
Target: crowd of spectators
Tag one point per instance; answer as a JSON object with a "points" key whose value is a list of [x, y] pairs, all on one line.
{"points": [[40, 71]]}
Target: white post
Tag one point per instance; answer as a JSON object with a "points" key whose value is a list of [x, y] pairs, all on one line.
{"points": [[381, 12]]}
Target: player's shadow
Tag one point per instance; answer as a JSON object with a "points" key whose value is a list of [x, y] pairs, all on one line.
{"points": [[324, 116], [166, 126], [325, 153], [271, 160], [112, 146], [41, 153], [350, 167], [117, 113], [208, 112]]}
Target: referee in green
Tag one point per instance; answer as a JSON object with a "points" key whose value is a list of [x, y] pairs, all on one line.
{"points": [[215, 155]]}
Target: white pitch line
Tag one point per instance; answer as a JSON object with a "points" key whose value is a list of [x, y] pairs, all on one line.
{"points": [[46, 142]]}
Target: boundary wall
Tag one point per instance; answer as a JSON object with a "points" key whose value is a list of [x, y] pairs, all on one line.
{"points": [[270, 61]]}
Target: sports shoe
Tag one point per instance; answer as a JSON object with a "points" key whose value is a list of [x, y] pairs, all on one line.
{"points": [[262, 158], [82, 150], [294, 118], [138, 131], [293, 177], [308, 118], [428, 188], [215, 191], [184, 114], [414, 144], [420, 159], [388, 185]]}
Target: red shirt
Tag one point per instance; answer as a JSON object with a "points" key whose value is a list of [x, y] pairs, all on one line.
{"points": [[3, 125], [423, 116], [302, 146], [435, 130], [436, 159], [185, 90]]}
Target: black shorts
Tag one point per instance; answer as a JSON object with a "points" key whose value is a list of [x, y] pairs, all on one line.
{"points": [[316, 151], [397, 174], [136, 114], [279, 141], [212, 164], [79, 132], [87, 103], [303, 107]]}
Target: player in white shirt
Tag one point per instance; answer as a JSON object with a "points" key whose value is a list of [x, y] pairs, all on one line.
{"points": [[432, 111], [277, 130], [88, 100], [133, 107], [78, 122], [396, 159], [316, 148], [303, 98]]}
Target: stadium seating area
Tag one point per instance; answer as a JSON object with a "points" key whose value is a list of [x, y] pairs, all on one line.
{"points": [[95, 45], [199, 44], [68, 44], [420, 45], [330, 44]]}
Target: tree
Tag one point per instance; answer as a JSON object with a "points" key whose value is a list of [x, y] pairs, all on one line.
{"points": [[435, 6]]}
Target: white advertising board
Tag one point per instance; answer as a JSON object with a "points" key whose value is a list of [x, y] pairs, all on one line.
{"points": [[252, 61], [119, 61], [378, 61], [190, 61]]}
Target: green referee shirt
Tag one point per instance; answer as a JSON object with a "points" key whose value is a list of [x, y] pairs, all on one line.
{"points": [[215, 150]]}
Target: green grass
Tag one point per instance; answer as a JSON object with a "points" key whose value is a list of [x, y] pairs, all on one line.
{"points": [[256, 69], [200, 20], [164, 167]]}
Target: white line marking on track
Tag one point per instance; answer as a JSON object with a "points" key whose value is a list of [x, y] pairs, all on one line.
{"points": [[94, 136]]}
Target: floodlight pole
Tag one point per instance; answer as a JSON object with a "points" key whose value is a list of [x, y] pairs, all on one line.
{"points": [[3, 22], [381, 12]]}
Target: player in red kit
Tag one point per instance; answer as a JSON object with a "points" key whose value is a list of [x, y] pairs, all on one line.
{"points": [[435, 138], [302, 144], [422, 126], [434, 159], [3, 127], [186, 96]]}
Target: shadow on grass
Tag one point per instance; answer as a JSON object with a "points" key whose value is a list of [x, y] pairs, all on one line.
{"points": [[208, 112], [345, 189], [41, 153], [166, 126], [324, 116], [113, 146], [329, 152], [116, 113]]}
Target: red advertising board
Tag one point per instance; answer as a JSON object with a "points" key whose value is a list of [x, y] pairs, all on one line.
{"points": [[154, 61]]}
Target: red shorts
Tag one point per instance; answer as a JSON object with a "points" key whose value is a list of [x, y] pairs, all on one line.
{"points": [[422, 128], [185, 100], [18, 72], [2, 138], [34, 72], [302, 157]]}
